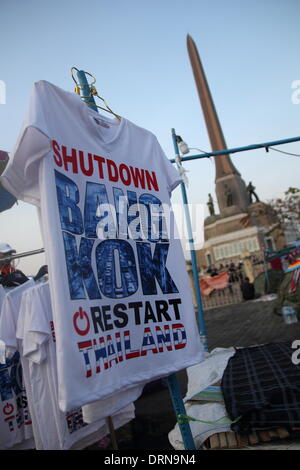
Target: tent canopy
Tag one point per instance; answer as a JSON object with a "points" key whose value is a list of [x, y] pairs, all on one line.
{"points": [[268, 283]]}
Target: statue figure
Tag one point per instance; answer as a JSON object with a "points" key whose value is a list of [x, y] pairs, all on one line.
{"points": [[210, 205], [228, 196], [251, 192]]}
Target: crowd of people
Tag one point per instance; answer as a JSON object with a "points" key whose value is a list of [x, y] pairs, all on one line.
{"points": [[235, 271], [235, 274]]}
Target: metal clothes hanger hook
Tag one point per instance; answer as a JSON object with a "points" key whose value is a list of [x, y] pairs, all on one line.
{"points": [[78, 86], [93, 91], [77, 90]]}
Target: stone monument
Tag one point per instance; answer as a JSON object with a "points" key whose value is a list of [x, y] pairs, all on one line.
{"points": [[242, 224]]}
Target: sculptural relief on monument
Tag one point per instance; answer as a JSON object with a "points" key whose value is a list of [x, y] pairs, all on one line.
{"points": [[210, 205], [228, 195], [251, 192]]}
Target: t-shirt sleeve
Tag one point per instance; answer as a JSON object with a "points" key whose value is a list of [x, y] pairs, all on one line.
{"points": [[20, 177], [172, 176]]}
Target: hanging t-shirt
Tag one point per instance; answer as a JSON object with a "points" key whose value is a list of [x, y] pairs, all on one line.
{"points": [[57, 430], [10, 315], [120, 293], [15, 417]]}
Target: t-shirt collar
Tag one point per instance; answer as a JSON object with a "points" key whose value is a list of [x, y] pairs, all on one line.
{"points": [[118, 124]]}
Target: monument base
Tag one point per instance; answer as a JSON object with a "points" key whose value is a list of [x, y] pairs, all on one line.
{"points": [[229, 235]]}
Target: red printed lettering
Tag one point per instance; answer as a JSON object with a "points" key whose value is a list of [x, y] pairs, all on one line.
{"points": [[87, 163], [89, 171], [70, 159], [151, 180], [138, 177], [57, 155], [125, 174], [112, 171]]}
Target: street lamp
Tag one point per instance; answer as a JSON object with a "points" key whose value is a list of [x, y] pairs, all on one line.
{"points": [[184, 148], [182, 145]]}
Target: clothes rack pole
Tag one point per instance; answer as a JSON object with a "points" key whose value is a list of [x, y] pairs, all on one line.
{"points": [[172, 381], [217, 153], [192, 248], [112, 433], [23, 255]]}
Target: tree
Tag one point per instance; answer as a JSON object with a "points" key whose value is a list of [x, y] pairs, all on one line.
{"points": [[288, 212]]}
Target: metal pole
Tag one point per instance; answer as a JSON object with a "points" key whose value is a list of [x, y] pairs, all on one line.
{"points": [[86, 92], [112, 433], [23, 255], [266, 289], [192, 250], [217, 153], [179, 408]]}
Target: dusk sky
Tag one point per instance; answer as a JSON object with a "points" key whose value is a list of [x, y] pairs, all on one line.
{"points": [[137, 51]]}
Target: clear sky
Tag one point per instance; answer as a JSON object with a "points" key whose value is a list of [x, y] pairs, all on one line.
{"points": [[137, 51]]}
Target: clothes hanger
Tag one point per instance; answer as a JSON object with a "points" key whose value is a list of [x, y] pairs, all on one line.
{"points": [[42, 273], [93, 92]]}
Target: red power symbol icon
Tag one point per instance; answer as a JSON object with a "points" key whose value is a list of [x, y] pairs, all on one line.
{"points": [[81, 315]]}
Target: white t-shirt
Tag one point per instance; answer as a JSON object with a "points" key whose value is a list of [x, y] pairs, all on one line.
{"points": [[9, 316], [111, 405], [57, 430], [15, 417], [120, 293]]}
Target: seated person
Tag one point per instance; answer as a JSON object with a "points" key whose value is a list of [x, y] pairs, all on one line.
{"points": [[247, 289]]}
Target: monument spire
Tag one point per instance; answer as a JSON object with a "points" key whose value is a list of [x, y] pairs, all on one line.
{"points": [[227, 176]]}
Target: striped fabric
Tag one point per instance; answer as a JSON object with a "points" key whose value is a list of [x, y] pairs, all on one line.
{"points": [[294, 281], [261, 385]]}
